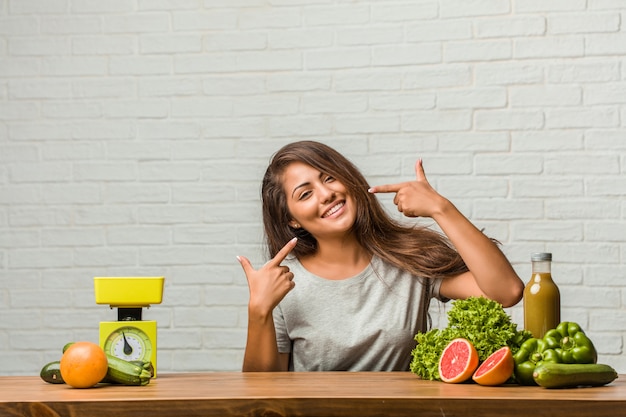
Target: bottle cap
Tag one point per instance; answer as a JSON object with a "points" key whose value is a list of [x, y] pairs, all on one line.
{"points": [[541, 256]]}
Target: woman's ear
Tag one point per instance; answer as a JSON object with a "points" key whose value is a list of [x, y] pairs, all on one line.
{"points": [[294, 224]]}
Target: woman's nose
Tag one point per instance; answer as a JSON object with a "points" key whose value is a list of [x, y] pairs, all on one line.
{"points": [[327, 194]]}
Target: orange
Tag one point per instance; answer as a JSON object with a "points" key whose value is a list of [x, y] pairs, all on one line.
{"points": [[496, 369], [458, 361], [83, 365]]}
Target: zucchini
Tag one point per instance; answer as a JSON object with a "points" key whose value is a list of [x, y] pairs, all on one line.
{"points": [[51, 373], [569, 375]]}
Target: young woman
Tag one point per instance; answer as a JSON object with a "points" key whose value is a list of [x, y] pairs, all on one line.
{"points": [[348, 287]]}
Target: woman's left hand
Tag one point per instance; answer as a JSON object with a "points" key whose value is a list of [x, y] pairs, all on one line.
{"points": [[414, 198]]}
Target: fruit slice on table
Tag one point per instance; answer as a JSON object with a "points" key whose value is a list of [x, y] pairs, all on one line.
{"points": [[458, 361], [83, 365], [496, 369]]}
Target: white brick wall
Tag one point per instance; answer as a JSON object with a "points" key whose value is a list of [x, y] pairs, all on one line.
{"points": [[133, 135]]}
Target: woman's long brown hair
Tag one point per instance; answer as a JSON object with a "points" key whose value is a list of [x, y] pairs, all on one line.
{"points": [[419, 250]]}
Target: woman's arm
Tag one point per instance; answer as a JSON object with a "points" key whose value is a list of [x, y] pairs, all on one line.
{"points": [[268, 286], [490, 273]]}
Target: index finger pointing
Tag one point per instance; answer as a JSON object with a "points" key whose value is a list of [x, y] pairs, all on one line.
{"points": [[387, 188], [282, 254]]}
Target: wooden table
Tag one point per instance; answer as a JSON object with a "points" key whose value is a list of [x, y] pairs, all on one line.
{"points": [[300, 394]]}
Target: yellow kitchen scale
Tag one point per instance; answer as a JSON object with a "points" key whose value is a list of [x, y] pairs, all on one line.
{"points": [[129, 338]]}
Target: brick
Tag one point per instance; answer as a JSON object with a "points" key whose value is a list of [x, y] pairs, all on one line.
{"points": [[169, 171], [19, 67], [35, 6], [36, 46], [503, 209], [336, 15], [129, 193], [149, 129], [542, 187], [605, 139], [136, 23], [468, 51], [170, 44], [291, 82], [204, 107], [364, 124], [546, 141], [337, 58], [211, 20], [511, 119], [451, 8], [42, 88], [547, 231], [505, 164], [299, 38], [71, 110], [235, 41], [74, 66], [104, 45], [265, 105], [20, 25], [538, 6], [472, 141], [591, 164], [362, 36], [345, 103], [454, 75], [71, 194], [105, 171], [402, 12], [95, 6], [19, 111], [101, 88], [156, 109], [426, 53], [605, 94], [40, 172], [516, 26], [70, 25], [583, 118], [545, 96], [39, 258], [20, 239], [584, 23], [366, 81], [167, 4], [476, 97], [438, 30], [316, 126], [203, 194], [507, 73], [18, 153], [431, 121], [151, 65], [270, 18], [581, 209], [557, 47]]}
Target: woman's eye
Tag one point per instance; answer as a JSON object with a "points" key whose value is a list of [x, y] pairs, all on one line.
{"points": [[304, 195], [329, 179]]}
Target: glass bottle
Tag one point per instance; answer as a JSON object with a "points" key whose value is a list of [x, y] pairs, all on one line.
{"points": [[542, 299]]}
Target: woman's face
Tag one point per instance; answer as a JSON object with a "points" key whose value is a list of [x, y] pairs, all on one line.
{"points": [[317, 202]]}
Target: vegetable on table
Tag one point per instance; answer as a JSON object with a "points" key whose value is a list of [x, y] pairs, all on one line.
{"points": [[531, 354], [566, 344], [478, 319], [571, 344], [567, 375]]}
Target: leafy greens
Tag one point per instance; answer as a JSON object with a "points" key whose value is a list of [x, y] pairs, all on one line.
{"points": [[480, 320]]}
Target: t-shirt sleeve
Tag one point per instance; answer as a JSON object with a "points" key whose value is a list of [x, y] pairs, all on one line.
{"points": [[435, 291], [282, 338]]}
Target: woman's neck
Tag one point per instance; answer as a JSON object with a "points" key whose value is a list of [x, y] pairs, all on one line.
{"points": [[337, 259]]}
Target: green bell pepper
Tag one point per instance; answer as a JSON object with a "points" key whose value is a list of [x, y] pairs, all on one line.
{"points": [[532, 352], [571, 344]]}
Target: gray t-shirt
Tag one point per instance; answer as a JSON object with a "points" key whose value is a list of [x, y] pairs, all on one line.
{"points": [[364, 323]]}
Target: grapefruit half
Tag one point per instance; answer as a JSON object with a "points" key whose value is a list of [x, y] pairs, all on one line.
{"points": [[496, 369], [458, 361]]}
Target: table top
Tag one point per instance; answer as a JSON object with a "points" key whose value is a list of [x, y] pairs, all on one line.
{"points": [[310, 393]]}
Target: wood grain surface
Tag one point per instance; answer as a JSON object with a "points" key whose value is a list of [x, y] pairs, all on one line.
{"points": [[303, 394]]}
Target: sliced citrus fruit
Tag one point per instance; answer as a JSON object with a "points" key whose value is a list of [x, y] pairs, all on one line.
{"points": [[458, 361], [496, 369]]}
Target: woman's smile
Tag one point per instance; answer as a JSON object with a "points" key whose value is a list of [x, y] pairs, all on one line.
{"points": [[334, 209]]}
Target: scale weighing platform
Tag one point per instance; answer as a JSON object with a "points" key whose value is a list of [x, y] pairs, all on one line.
{"points": [[129, 338]]}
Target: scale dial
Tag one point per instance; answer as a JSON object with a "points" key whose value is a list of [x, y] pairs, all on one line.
{"points": [[129, 343]]}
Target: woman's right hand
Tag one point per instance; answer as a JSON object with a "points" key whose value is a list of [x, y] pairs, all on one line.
{"points": [[269, 284]]}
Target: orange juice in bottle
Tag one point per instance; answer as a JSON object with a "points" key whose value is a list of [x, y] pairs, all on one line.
{"points": [[542, 299]]}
